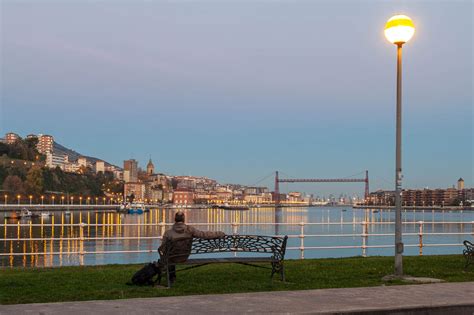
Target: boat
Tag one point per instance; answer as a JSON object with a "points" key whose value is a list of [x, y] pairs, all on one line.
{"points": [[232, 207], [135, 211], [124, 207], [136, 208], [12, 216], [25, 213]]}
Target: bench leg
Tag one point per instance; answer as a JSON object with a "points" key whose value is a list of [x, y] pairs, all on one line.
{"points": [[168, 278], [277, 267], [469, 259]]}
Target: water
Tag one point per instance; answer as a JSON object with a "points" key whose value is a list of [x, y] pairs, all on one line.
{"points": [[335, 226]]}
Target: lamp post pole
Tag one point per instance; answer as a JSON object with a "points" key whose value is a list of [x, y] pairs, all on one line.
{"points": [[398, 169], [398, 30]]}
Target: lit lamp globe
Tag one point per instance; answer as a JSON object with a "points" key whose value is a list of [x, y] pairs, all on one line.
{"points": [[399, 29]]}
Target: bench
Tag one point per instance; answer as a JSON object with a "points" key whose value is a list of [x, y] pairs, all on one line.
{"points": [[273, 245], [468, 253]]}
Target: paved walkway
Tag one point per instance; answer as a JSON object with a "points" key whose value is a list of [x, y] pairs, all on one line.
{"points": [[439, 298]]}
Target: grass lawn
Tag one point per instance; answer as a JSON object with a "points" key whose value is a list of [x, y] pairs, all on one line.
{"points": [[34, 285]]}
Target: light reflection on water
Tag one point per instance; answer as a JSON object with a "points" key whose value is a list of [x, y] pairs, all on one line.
{"points": [[331, 221]]}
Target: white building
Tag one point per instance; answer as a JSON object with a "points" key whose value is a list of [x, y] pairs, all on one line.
{"points": [[53, 160], [126, 176], [82, 161], [45, 143], [72, 167], [99, 166]]}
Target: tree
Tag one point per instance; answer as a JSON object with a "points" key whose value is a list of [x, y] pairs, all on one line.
{"points": [[34, 181], [18, 150], [4, 148], [3, 173], [31, 148], [14, 184]]}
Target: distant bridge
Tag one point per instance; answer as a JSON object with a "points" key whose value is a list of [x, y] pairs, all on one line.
{"points": [[319, 180]]}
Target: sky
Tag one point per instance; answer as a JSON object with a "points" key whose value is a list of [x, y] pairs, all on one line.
{"points": [[235, 90]]}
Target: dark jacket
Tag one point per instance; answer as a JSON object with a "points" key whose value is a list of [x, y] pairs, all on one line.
{"points": [[182, 231]]}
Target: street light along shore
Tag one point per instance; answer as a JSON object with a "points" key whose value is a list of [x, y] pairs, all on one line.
{"points": [[399, 29]]}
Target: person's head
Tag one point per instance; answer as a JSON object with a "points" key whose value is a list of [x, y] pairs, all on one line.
{"points": [[179, 216]]}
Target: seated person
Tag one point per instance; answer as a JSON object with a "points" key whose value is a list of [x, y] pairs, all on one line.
{"points": [[181, 230]]}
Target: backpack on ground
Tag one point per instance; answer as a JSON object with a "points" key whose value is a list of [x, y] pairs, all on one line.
{"points": [[145, 275]]}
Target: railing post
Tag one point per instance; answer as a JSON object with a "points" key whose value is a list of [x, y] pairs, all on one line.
{"points": [[420, 237], [234, 228], [234, 232], [364, 235], [301, 236], [81, 241]]}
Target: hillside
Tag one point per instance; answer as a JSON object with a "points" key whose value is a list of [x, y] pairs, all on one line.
{"points": [[73, 155]]}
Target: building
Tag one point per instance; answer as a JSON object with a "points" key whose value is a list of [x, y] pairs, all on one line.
{"points": [[152, 194], [72, 168], [99, 166], [422, 197], [11, 137], [135, 190], [183, 197], [223, 194], [294, 197], [150, 168], [126, 176], [130, 168], [255, 190], [82, 162], [203, 197], [460, 184], [118, 174], [382, 198], [261, 198], [54, 160], [45, 144]]}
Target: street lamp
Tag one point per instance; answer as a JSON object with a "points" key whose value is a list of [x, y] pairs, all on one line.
{"points": [[31, 197], [399, 30], [6, 198]]}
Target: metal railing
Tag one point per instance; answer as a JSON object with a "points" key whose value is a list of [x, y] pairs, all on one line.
{"points": [[364, 236]]}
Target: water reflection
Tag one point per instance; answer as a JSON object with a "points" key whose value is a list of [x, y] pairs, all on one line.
{"points": [[38, 241]]}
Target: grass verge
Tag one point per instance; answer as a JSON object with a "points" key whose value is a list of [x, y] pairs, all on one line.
{"points": [[37, 285]]}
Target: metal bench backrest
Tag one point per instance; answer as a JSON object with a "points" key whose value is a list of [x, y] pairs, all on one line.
{"points": [[230, 243]]}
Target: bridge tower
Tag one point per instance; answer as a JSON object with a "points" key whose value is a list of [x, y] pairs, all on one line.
{"points": [[366, 195], [277, 190]]}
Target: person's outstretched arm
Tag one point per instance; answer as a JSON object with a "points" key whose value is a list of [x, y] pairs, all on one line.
{"points": [[205, 234]]}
